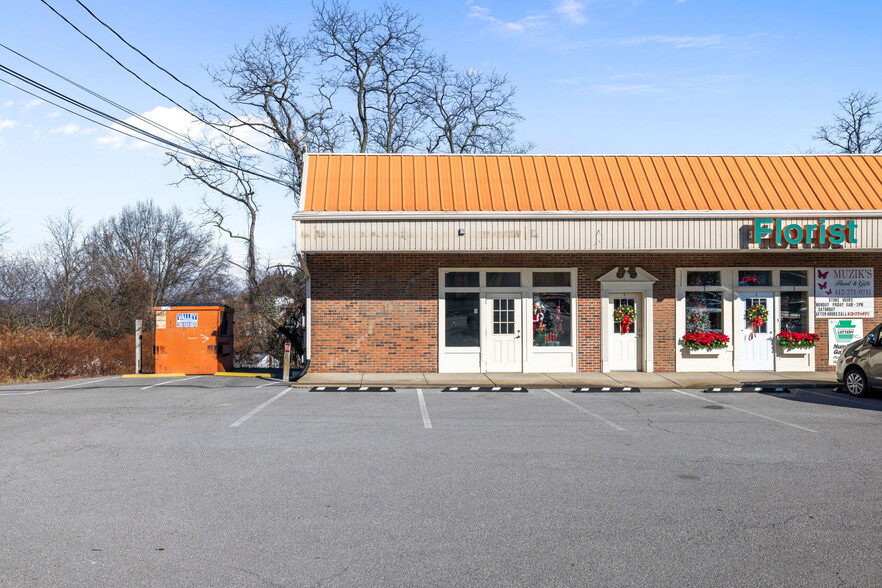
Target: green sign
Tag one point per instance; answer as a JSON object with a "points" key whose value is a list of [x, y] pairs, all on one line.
{"points": [[819, 232]]}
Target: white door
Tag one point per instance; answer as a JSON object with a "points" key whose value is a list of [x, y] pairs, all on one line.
{"points": [[502, 348], [756, 344], [625, 339]]}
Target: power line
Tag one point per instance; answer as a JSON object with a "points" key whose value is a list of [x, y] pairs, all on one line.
{"points": [[141, 132], [155, 89], [164, 70], [99, 96]]}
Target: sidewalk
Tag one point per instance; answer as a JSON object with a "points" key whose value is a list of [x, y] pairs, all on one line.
{"points": [[552, 380]]}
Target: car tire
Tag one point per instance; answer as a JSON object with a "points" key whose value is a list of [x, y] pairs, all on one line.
{"points": [[856, 382]]}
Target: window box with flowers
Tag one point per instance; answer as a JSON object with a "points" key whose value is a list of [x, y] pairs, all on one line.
{"points": [[705, 343], [797, 343]]}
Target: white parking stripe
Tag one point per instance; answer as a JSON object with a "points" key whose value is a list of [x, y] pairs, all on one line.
{"points": [[756, 414], [22, 393], [265, 385], [585, 410], [170, 382], [261, 407], [59, 388], [845, 399], [425, 411], [87, 382]]}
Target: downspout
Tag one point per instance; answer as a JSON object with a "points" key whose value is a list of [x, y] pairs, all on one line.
{"points": [[307, 317]]}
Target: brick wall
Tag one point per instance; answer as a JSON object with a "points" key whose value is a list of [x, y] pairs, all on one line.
{"points": [[378, 312]]}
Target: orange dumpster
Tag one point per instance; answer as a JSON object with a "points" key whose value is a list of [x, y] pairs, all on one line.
{"points": [[194, 339]]}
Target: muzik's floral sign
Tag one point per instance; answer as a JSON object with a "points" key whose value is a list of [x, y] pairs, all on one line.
{"points": [[844, 292]]}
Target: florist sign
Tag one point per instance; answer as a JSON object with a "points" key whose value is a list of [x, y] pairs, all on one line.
{"points": [[844, 292]]}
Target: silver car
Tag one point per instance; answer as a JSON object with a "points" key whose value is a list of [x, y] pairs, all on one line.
{"points": [[859, 366]]}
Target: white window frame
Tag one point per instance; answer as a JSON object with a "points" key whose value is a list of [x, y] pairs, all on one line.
{"points": [[534, 359]]}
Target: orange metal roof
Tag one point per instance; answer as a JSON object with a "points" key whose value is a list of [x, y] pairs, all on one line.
{"points": [[529, 183]]}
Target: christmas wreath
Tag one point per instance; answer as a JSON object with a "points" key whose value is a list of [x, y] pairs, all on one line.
{"points": [[624, 315], [757, 315]]}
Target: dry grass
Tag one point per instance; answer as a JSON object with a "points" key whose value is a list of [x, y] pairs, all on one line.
{"points": [[31, 355]]}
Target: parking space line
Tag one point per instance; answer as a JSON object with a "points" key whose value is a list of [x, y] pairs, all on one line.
{"points": [[427, 423], [22, 393], [846, 400], [756, 414], [88, 382], [585, 410], [261, 407], [170, 382], [265, 385]]}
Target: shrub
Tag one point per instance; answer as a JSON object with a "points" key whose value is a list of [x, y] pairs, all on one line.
{"points": [[43, 355]]}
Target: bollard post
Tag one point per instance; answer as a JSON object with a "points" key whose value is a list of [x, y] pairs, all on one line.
{"points": [[286, 363], [139, 325]]}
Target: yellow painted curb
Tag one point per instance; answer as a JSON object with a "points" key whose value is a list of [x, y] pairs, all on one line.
{"points": [[243, 375], [154, 375]]}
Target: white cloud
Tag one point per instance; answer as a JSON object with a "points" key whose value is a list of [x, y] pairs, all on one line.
{"points": [[9, 104], [572, 10], [175, 125], [7, 124], [169, 123], [678, 42], [54, 114], [527, 23], [72, 129], [32, 103]]}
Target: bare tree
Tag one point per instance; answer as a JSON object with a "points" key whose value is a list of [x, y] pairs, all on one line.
{"points": [[469, 111], [855, 128], [24, 295], [144, 257], [64, 267], [378, 57], [265, 80]]}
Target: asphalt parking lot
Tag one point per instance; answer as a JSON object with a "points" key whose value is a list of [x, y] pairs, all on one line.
{"points": [[209, 481]]}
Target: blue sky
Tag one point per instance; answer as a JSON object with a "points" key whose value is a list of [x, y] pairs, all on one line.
{"points": [[593, 76]]}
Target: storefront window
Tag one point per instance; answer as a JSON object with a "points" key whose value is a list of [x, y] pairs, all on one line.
{"points": [[503, 279], [461, 279], [702, 278], [462, 319], [755, 278], [794, 312], [704, 312], [552, 320], [794, 278], [551, 279]]}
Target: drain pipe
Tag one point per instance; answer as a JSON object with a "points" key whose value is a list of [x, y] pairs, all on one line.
{"points": [[307, 317]]}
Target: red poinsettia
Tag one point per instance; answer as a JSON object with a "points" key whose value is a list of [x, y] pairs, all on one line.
{"points": [[698, 341], [791, 340]]}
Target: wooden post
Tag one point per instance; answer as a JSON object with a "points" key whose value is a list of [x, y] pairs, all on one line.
{"points": [[139, 325], [286, 363]]}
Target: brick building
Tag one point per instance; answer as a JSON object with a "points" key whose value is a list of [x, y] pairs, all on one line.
{"points": [[434, 263]]}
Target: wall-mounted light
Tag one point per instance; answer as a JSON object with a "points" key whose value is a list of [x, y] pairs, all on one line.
{"points": [[461, 232]]}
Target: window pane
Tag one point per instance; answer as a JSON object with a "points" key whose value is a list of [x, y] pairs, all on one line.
{"points": [[704, 312], [755, 278], [552, 320], [703, 278], [503, 316], [794, 278], [462, 320], [632, 326], [751, 302], [551, 279], [503, 279], [461, 279], [794, 312]]}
